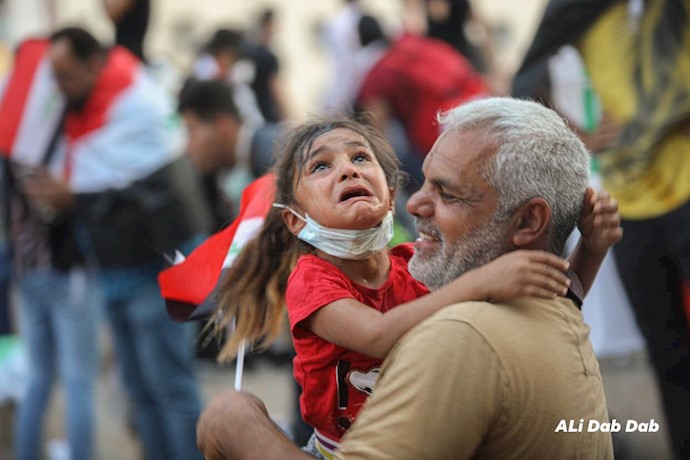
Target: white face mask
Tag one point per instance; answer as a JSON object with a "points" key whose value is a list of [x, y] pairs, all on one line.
{"points": [[345, 244]]}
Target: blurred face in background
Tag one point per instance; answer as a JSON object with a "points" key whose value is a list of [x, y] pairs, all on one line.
{"points": [[438, 10], [75, 78], [211, 143]]}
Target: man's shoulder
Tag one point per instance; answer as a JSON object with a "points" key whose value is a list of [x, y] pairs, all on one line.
{"points": [[486, 311], [497, 321], [452, 322], [145, 93], [479, 313]]}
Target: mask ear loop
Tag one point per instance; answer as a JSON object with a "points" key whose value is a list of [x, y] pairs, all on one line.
{"points": [[284, 206]]}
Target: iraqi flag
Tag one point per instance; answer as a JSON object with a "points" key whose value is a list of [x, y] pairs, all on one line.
{"points": [[126, 130], [30, 105], [189, 287]]}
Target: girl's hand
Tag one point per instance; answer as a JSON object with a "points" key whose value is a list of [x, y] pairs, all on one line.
{"points": [[524, 273], [600, 223]]}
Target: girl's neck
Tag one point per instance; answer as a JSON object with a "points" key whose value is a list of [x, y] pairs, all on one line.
{"points": [[371, 272]]}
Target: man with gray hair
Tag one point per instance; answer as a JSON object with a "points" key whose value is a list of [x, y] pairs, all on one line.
{"points": [[478, 379]]}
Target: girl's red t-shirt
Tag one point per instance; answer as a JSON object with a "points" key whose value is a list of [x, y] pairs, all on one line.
{"points": [[335, 381]]}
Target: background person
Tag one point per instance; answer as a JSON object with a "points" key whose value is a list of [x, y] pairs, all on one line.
{"points": [[267, 82], [222, 59], [339, 37], [414, 78], [131, 21], [115, 175], [219, 139], [637, 55]]}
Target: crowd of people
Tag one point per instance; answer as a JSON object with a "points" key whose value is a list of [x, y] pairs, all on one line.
{"points": [[467, 343]]}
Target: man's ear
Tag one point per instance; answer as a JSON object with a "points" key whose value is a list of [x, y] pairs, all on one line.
{"points": [[294, 223], [530, 223]]}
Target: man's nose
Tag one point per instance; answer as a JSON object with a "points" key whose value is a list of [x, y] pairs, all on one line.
{"points": [[419, 204]]}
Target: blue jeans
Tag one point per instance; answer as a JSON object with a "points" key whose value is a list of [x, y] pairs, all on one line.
{"points": [[5, 323], [58, 323], [156, 356]]}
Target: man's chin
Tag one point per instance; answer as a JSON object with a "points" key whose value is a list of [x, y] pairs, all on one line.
{"points": [[425, 270]]}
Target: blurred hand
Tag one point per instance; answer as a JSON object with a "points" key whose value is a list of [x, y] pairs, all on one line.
{"points": [[47, 192], [600, 223], [607, 134]]}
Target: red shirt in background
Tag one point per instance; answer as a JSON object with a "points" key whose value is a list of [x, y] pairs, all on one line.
{"points": [[418, 77]]}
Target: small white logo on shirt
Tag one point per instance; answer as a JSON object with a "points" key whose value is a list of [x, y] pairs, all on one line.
{"points": [[364, 382]]}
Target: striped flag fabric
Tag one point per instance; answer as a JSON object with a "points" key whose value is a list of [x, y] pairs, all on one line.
{"points": [[189, 287], [30, 105], [125, 122]]}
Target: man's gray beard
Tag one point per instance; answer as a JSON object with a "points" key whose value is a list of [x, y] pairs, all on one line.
{"points": [[477, 248]]}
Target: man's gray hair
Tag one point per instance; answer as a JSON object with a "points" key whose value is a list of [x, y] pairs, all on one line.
{"points": [[537, 155]]}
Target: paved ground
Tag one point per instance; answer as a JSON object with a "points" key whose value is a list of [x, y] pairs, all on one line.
{"points": [[629, 388]]}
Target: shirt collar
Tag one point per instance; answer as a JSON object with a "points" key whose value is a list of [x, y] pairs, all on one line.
{"points": [[575, 292]]}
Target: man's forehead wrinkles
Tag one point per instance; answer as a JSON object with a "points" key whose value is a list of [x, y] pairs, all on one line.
{"points": [[442, 173], [453, 157]]}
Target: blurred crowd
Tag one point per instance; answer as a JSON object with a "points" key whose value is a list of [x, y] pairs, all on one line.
{"points": [[108, 170]]}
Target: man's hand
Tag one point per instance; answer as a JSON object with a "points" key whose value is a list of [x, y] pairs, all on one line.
{"points": [[235, 425], [48, 194], [216, 420], [599, 222]]}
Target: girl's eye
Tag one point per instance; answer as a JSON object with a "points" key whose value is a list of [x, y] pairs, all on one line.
{"points": [[360, 158], [316, 167]]}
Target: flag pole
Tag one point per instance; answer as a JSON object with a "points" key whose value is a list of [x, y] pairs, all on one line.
{"points": [[239, 366]]}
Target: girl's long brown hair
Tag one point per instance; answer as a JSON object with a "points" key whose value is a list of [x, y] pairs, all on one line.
{"points": [[253, 290]]}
